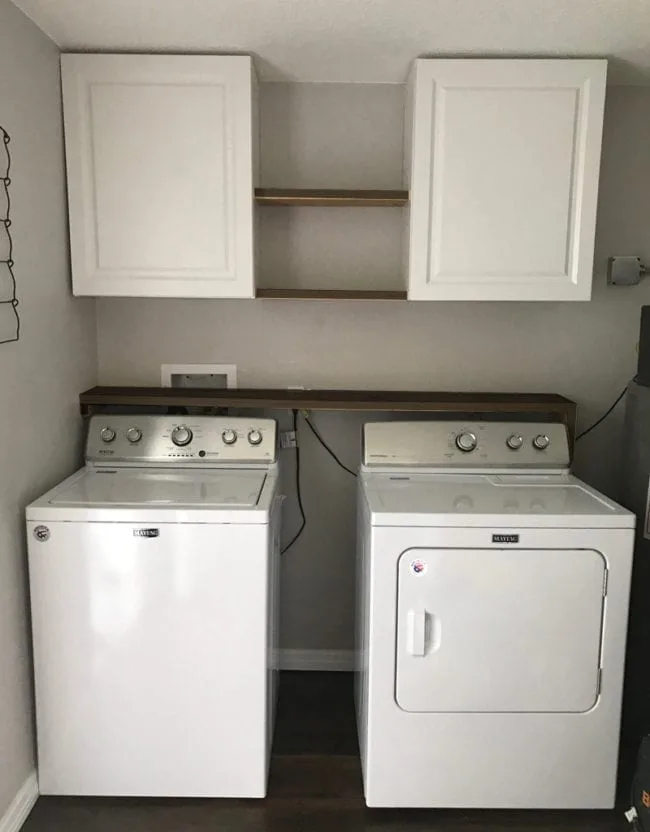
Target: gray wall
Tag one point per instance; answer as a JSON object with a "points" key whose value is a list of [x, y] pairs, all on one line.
{"points": [[40, 376], [328, 136]]}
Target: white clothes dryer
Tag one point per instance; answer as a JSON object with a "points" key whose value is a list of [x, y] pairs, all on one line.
{"points": [[491, 619], [154, 594]]}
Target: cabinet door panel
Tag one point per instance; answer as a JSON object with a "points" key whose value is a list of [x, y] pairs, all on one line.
{"points": [[159, 155], [504, 179]]}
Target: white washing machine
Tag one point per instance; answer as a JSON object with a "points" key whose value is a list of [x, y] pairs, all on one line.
{"points": [[154, 594], [492, 612]]}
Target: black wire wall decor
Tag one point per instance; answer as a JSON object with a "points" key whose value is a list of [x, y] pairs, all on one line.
{"points": [[9, 318]]}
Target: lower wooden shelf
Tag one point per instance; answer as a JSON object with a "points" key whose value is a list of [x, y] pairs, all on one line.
{"points": [[331, 294], [547, 406]]}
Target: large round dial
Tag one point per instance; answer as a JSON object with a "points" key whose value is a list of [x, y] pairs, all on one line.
{"points": [[229, 436], [181, 436], [255, 437], [107, 435], [515, 441], [541, 442], [466, 442], [134, 435]]}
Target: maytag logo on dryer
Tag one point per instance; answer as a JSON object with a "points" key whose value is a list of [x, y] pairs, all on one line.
{"points": [[505, 538], [146, 532]]}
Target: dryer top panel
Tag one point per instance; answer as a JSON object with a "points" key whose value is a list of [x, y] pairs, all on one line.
{"points": [[504, 500]]}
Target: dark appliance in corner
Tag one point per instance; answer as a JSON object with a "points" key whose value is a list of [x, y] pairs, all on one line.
{"points": [[635, 495]]}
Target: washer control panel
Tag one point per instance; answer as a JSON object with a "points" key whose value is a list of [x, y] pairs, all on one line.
{"points": [[194, 440], [456, 444]]}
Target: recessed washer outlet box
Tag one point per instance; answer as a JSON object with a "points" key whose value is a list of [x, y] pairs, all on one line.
{"points": [[215, 376]]}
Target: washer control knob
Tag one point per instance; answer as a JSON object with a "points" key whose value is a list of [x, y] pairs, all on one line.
{"points": [[229, 436], [466, 442], [255, 437], [181, 436], [134, 435], [515, 441], [541, 442], [107, 435]]}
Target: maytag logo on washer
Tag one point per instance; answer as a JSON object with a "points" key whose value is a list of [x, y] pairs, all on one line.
{"points": [[418, 566], [41, 533], [505, 538], [146, 532]]}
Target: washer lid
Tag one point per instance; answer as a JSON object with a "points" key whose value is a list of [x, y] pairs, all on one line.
{"points": [[480, 499], [128, 487]]}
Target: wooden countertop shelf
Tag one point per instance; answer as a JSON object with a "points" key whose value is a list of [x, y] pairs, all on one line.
{"points": [[545, 404], [323, 197]]}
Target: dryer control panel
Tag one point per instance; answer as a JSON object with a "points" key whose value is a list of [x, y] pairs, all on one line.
{"points": [[180, 440], [466, 444]]}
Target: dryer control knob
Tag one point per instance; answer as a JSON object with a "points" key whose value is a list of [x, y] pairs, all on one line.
{"points": [[134, 435], [107, 435], [466, 442], [255, 437], [181, 436], [541, 442], [229, 437], [515, 441]]}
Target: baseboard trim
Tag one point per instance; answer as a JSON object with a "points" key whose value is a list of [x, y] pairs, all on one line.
{"points": [[316, 660], [21, 805]]}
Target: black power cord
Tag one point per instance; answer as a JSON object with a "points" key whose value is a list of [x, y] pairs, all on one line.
{"points": [[603, 417], [313, 429], [303, 518]]}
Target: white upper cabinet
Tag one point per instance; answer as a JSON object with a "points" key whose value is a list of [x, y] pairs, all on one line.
{"points": [[503, 169], [161, 155]]}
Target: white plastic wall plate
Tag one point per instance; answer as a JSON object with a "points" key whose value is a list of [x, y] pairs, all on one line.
{"points": [[169, 374]]}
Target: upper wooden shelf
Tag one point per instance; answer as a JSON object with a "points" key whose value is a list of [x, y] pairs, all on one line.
{"points": [[330, 198]]}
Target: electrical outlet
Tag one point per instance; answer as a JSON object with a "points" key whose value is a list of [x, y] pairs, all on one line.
{"points": [[288, 439]]}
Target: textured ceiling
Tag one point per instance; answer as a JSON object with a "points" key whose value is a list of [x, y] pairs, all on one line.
{"points": [[356, 40]]}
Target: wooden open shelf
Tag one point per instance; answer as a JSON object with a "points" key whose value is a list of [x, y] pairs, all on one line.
{"points": [[330, 198], [331, 294], [546, 405]]}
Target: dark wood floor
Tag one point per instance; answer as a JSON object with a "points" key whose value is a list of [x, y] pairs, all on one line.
{"points": [[315, 785]]}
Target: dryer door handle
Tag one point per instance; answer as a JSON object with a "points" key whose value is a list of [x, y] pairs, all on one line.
{"points": [[416, 633], [423, 633]]}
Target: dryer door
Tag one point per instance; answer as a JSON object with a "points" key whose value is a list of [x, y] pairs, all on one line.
{"points": [[491, 630]]}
